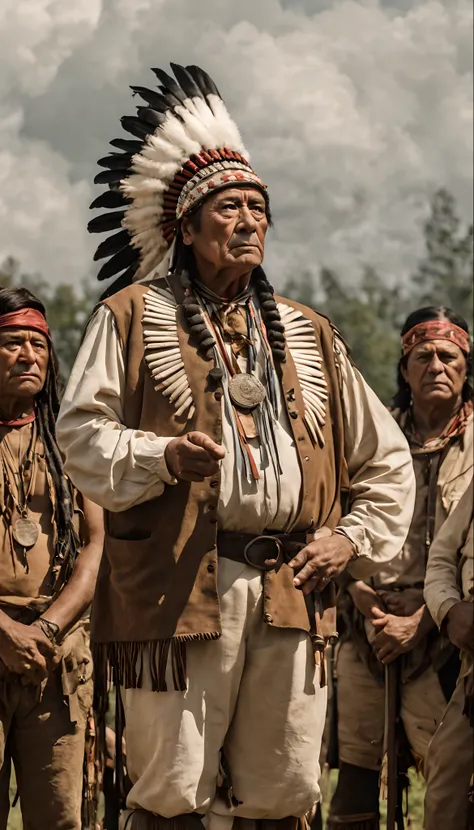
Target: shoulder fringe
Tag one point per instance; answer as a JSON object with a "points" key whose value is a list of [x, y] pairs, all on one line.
{"points": [[301, 341], [162, 352]]}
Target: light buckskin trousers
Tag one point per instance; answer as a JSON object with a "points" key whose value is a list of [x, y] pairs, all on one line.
{"points": [[450, 766], [254, 693], [46, 748], [361, 708]]}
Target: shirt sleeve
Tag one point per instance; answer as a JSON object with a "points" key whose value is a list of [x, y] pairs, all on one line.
{"points": [[441, 584], [112, 465], [382, 481]]}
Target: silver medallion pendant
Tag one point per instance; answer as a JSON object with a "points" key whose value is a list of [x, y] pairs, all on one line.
{"points": [[25, 532], [246, 391]]}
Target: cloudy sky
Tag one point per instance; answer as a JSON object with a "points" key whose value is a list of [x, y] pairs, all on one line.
{"points": [[354, 112]]}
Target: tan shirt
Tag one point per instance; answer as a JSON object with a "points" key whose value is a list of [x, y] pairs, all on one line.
{"points": [[455, 473], [119, 467], [24, 577]]}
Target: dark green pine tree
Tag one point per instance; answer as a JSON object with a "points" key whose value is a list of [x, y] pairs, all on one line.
{"points": [[445, 274]]}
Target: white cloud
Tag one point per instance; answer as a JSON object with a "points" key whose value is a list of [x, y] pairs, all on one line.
{"points": [[354, 112]]}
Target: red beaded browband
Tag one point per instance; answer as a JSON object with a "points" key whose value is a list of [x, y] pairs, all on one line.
{"points": [[435, 330]]}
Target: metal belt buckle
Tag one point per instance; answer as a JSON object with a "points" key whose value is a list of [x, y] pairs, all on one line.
{"points": [[267, 562]]}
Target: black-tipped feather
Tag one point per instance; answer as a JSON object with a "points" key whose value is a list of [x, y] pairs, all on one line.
{"points": [[108, 176], [118, 263], [127, 145], [154, 99], [112, 245], [203, 80], [116, 161], [150, 116], [106, 222], [123, 281], [169, 85], [109, 199], [186, 81], [136, 127]]}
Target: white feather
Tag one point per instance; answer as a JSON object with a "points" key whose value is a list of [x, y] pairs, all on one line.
{"points": [[162, 352], [301, 341]]}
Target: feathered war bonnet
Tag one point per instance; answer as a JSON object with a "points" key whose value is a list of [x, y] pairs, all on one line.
{"points": [[185, 147]]}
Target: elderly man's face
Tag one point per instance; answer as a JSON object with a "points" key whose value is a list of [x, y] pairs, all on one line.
{"points": [[24, 358], [435, 372], [231, 235]]}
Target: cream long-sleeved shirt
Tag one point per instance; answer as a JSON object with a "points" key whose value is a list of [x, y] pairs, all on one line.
{"points": [[452, 545], [118, 467]]}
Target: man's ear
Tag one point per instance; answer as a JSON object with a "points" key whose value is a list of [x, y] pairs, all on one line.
{"points": [[404, 373], [187, 231]]}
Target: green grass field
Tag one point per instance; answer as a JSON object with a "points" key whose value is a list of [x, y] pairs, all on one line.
{"points": [[415, 801], [416, 795]]}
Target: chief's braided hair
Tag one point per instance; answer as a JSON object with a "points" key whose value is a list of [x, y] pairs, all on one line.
{"points": [[47, 409]]}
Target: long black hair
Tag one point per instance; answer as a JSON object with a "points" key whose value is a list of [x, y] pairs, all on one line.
{"points": [[47, 408], [402, 398]]}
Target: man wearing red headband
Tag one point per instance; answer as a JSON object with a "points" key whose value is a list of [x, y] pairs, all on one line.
{"points": [[387, 618], [46, 582]]}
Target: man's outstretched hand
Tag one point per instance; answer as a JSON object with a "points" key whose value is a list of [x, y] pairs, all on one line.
{"points": [[193, 457], [321, 560]]}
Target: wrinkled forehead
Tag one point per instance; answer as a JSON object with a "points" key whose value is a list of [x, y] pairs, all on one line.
{"points": [[20, 335], [440, 347], [243, 194]]}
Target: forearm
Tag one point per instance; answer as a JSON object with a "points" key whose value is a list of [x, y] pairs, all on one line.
{"points": [[128, 466], [5, 623], [77, 595]]}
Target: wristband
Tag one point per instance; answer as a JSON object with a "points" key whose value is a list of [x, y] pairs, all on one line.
{"points": [[49, 629]]}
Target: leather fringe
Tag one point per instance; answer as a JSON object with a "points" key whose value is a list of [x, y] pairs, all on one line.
{"points": [[365, 822], [122, 664]]}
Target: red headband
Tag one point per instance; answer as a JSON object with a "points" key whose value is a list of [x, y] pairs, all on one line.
{"points": [[435, 330], [25, 318]]}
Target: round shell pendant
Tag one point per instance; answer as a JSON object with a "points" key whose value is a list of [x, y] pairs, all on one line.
{"points": [[25, 532], [246, 391]]}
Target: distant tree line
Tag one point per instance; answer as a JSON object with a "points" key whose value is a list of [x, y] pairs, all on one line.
{"points": [[369, 315]]}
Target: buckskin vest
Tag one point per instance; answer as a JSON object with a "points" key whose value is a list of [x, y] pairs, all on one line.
{"points": [[157, 584]]}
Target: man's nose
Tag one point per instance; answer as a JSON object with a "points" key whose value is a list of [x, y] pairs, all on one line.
{"points": [[27, 353], [247, 221], [436, 366]]}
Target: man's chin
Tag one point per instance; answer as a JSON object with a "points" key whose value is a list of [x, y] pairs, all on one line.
{"points": [[250, 258], [26, 388], [438, 394]]}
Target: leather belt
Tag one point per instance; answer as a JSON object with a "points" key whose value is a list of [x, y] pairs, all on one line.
{"points": [[265, 552]]}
